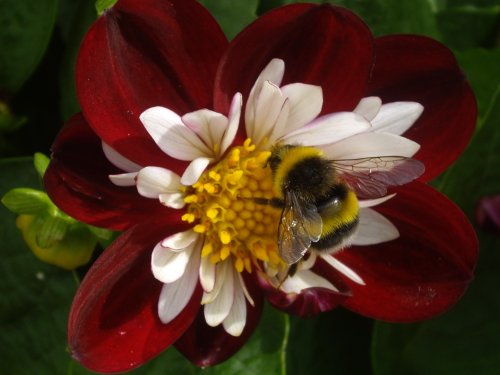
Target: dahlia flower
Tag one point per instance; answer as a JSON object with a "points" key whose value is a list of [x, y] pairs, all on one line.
{"points": [[172, 148]]}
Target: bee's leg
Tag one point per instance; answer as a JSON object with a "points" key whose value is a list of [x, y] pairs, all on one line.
{"points": [[275, 202]]}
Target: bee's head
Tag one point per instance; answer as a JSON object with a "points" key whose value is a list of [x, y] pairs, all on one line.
{"points": [[278, 152]]}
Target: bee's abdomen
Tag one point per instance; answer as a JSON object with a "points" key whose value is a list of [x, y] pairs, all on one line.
{"points": [[340, 218]]}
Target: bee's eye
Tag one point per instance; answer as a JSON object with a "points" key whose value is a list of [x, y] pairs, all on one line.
{"points": [[273, 162]]}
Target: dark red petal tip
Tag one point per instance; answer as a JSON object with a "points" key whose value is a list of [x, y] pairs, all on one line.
{"points": [[208, 346], [113, 324], [420, 69], [310, 301], [141, 54], [321, 45], [423, 272], [77, 182]]}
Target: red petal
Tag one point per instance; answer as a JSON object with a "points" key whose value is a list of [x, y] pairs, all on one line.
{"points": [[141, 54], [206, 346], [322, 45], [422, 273], [420, 69], [113, 324], [310, 301], [77, 182]]}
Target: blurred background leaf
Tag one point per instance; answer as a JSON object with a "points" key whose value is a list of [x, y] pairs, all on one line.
{"points": [[24, 36]]}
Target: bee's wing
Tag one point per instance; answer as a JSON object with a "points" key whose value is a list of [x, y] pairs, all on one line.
{"points": [[370, 177], [300, 224]]}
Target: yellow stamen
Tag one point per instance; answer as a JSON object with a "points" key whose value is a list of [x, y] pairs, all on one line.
{"points": [[222, 204]]}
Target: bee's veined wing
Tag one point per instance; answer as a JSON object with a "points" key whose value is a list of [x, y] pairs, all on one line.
{"points": [[370, 177], [300, 224]]}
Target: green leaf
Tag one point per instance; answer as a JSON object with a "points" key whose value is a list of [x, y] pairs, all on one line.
{"points": [[41, 163], [336, 342], [464, 340], [35, 296], [232, 15], [481, 67], [81, 18], [24, 36], [26, 201], [469, 26], [102, 5]]}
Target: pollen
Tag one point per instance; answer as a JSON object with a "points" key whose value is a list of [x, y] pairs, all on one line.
{"points": [[222, 207]]}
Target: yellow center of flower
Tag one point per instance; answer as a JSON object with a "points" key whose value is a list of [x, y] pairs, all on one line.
{"points": [[222, 204]]}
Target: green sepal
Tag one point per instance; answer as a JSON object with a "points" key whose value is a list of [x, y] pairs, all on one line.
{"points": [[26, 201], [51, 231], [101, 233], [102, 5], [41, 163]]}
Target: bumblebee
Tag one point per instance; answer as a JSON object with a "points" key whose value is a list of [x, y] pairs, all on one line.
{"points": [[319, 197]]}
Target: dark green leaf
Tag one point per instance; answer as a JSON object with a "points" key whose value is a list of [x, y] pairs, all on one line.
{"points": [[469, 26], [337, 342], [35, 296], [232, 15], [482, 69], [81, 19], [24, 36]]}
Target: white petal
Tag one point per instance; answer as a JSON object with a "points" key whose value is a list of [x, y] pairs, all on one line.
{"points": [[245, 290], [370, 144], [168, 265], [309, 262], [369, 107], [234, 121], [172, 200], [267, 111], [305, 279], [373, 228], [273, 73], [172, 136], [118, 160], [305, 102], [194, 170], [180, 240], [397, 117], [175, 296], [209, 297], [218, 310], [123, 179], [207, 274], [153, 181], [236, 320], [279, 129], [210, 126], [374, 202], [343, 269], [329, 129]]}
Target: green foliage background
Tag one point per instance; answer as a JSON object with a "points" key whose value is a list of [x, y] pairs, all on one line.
{"points": [[38, 45]]}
